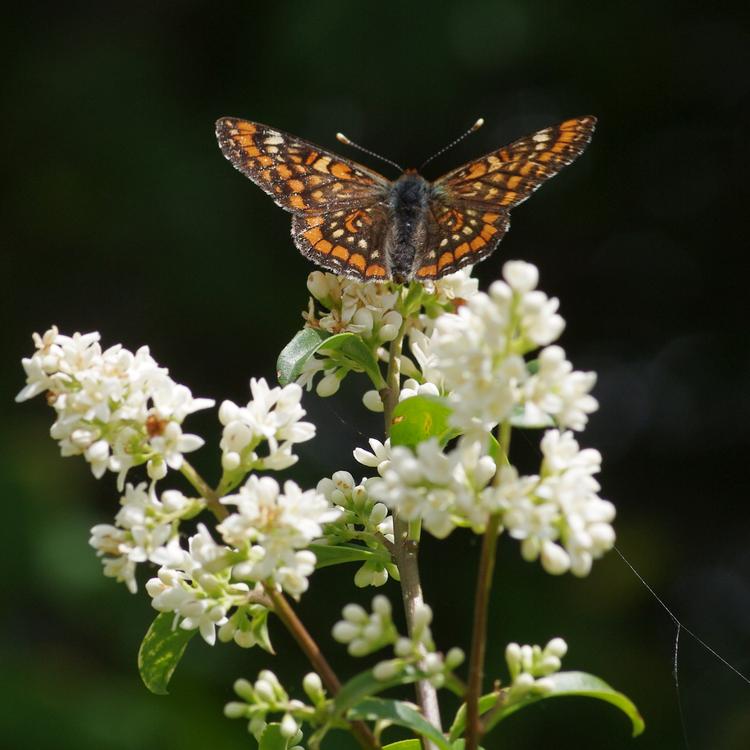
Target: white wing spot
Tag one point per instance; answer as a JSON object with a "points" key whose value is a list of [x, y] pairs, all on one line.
{"points": [[541, 137], [467, 230], [338, 233], [443, 242], [362, 245], [273, 140]]}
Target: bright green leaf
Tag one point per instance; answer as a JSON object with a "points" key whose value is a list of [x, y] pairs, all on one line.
{"points": [[352, 348], [161, 651], [336, 554], [404, 745], [420, 418], [294, 355], [398, 712], [272, 739], [564, 684]]}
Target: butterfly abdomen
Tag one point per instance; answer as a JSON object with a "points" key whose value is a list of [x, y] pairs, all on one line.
{"points": [[408, 202]]}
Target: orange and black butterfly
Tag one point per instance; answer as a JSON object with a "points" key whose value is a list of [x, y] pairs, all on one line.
{"points": [[355, 222]]}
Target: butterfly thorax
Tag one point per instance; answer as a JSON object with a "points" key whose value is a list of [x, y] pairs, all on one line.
{"points": [[408, 201]]}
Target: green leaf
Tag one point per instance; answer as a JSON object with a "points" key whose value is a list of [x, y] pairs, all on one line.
{"points": [[404, 745], [398, 712], [272, 739], [352, 348], [365, 685], [294, 355], [420, 418], [259, 629], [161, 651], [564, 684], [336, 554]]}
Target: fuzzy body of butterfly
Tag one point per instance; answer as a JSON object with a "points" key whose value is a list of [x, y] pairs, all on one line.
{"points": [[353, 221]]}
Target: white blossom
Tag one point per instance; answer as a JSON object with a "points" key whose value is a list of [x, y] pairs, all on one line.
{"points": [[116, 408], [437, 487], [379, 458], [144, 527], [273, 416], [276, 528]]}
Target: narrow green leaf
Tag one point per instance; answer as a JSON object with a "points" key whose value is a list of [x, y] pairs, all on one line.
{"points": [[336, 554], [565, 684], [272, 739], [365, 685], [398, 712], [294, 355], [420, 418], [351, 347], [161, 651], [404, 745]]}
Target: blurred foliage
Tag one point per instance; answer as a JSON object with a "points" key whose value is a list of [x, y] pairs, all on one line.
{"points": [[121, 215]]}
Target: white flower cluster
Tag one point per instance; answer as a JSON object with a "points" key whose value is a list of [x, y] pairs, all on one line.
{"points": [[367, 309], [143, 528], [558, 515], [267, 696], [273, 529], [361, 518], [530, 667], [195, 585], [116, 408], [273, 415], [365, 633], [477, 355], [437, 487]]}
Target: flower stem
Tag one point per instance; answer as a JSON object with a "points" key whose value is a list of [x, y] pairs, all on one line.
{"points": [[481, 606], [406, 546], [312, 651], [206, 492]]}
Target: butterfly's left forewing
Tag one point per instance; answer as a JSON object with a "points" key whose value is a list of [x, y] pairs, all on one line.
{"points": [[339, 219], [297, 174]]}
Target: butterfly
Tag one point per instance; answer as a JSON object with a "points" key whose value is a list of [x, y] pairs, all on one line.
{"points": [[355, 222]]}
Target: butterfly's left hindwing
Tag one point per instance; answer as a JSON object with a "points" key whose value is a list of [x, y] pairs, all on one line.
{"points": [[347, 242], [298, 175]]}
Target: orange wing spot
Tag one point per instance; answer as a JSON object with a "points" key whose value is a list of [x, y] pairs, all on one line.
{"points": [[265, 161], [514, 181], [375, 270], [296, 201], [546, 156], [251, 151], [570, 125], [340, 252], [317, 195], [508, 198], [312, 157], [283, 171], [314, 221], [296, 186], [561, 146], [322, 164], [530, 166], [266, 175], [488, 231], [296, 159], [477, 170], [505, 154], [447, 256], [242, 125], [314, 180], [324, 246], [362, 216], [341, 171], [358, 261], [476, 243], [461, 250], [313, 235], [489, 218], [427, 271]]}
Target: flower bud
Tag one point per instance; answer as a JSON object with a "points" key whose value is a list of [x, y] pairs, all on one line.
{"points": [[386, 670], [289, 726], [244, 689], [328, 385], [521, 276], [235, 710], [372, 401], [313, 687]]}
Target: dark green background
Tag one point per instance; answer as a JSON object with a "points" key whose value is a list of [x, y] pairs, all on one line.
{"points": [[121, 215]]}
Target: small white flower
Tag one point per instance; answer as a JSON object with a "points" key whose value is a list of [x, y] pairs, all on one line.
{"points": [[379, 458]]}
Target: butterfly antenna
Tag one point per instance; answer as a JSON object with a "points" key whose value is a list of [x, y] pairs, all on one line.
{"points": [[478, 124], [348, 142]]}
